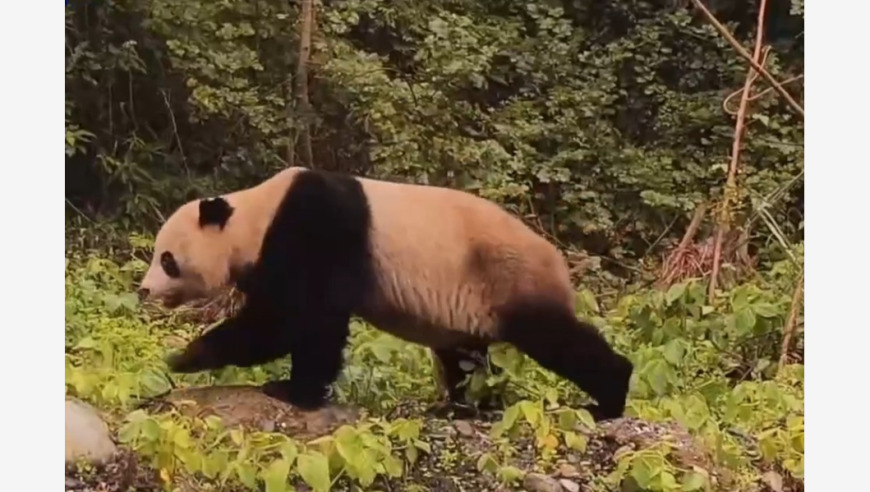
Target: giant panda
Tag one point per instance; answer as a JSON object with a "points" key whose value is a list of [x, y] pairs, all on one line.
{"points": [[431, 265]]}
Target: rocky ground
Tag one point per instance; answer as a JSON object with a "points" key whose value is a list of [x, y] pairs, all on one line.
{"points": [[446, 469]]}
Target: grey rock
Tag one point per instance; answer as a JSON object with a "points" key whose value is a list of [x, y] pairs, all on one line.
{"points": [[464, 428], [87, 436], [569, 485], [773, 480], [536, 482]]}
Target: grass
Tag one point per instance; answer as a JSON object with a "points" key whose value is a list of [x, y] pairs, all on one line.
{"points": [[710, 370]]}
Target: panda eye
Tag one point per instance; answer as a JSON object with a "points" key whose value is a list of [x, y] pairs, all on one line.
{"points": [[167, 262]]}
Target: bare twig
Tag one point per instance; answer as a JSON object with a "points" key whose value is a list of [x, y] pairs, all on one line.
{"points": [[175, 132], [756, 96], [791, 322], [697, 218], [740, 91], [753, 60], [731, 181]]}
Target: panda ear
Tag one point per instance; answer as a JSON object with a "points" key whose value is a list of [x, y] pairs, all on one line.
{"points": [[214, 211]]}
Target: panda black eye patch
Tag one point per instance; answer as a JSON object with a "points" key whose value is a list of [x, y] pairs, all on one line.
{"points": [[167, 262]]}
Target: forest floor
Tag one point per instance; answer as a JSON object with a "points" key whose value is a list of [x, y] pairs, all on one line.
{"points": [[690, 425]]}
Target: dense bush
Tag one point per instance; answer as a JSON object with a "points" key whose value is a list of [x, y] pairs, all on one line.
{"points": [[604, 120]]}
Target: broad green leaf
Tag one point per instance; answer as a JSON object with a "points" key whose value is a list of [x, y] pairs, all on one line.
{"points": [[423, 446], [151, 429], [182, 438], [674, 351], [411, 453], [486, 463], [667, 481], [567, 419], [656, 373], [675, 292], [765, 310], [275, 475], [643, 472], [744, 321], [575, 441], [510, 416], [693, 481], [314, 469], [531, 411], [289, 452], [247, 474], [510, 474], [585, 418], [394, 466]]}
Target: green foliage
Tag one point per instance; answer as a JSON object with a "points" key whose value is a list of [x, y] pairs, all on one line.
{"points": [[203, 446], [711, 368], [604, 121]]}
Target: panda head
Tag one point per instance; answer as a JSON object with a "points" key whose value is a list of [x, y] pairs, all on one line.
{"points": [[195, 253]]}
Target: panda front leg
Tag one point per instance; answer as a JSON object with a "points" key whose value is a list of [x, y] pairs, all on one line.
{"points": [[244, 340], [317, 359]]}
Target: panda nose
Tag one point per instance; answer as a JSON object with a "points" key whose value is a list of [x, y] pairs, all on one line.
{"points": [[143, 293]]}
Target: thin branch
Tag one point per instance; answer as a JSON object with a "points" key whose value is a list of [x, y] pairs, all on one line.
{"points": [[753, 61], [697, 218], [756, 96], [791, 322], [739, 126], [740, 91], [175, 132]]}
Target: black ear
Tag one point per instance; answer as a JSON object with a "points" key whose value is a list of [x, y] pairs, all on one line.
{"points": [[214, 211]]}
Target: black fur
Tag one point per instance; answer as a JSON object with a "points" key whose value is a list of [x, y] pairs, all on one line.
{"points": [[314, 267], [214, 211], [575, 350]]}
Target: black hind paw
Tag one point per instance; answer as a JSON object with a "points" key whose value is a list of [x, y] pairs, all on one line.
{"points": [[600, 414], [452, 409], [305, 398]]}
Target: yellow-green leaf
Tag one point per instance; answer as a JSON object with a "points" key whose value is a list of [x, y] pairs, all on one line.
{"points": [[314, 469]]}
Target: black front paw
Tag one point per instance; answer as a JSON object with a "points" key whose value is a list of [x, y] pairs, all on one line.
{"points": [[600, 414], [191, 359], [304, 397]]}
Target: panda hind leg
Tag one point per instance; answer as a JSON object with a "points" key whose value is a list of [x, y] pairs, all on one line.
{"points": [[575, 350], [317, 358], [453, 365]]}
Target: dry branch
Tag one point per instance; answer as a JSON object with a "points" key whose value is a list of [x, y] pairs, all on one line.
{"points": [[739, 127], [791, 322], [753, 60]]}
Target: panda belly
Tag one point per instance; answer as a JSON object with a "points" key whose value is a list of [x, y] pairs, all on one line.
{"points": [[413, 329], [428, 312]]}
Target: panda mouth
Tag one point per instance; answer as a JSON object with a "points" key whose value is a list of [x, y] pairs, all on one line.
{"points": [[173, 301]]}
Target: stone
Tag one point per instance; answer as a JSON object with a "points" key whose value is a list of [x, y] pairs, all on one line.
{"points": [[464, 428], [537, 482], [87, 435], [243, 405], [569, 485], [773, 480]]}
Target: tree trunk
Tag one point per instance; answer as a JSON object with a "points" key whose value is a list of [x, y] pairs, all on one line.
{"points": [[302, 101]]}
